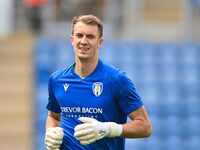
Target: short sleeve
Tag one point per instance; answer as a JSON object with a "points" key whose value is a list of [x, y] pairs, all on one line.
{"points": [[52, 104], [128, 98]]}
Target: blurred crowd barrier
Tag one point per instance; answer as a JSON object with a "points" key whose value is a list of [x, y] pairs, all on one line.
{"points": [[166, 76]]}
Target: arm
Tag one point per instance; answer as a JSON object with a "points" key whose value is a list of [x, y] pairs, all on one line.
{"points": [[92, 130], [54, 134], [53, 120], [140, 125]]}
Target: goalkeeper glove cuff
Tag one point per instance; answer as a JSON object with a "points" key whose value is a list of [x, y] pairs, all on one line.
{"points": [[92, 130], [115, 129]]}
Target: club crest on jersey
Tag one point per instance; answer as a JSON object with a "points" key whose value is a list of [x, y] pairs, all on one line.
{"points": [[97, 88], [65, 86]]}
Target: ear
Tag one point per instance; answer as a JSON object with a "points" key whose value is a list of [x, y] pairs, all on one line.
{"points": [[101, 41], [72, 40]]}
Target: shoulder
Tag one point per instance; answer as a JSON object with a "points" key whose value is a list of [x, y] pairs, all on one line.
{"points": [[115, 74], [60, 73], [110, 69]]}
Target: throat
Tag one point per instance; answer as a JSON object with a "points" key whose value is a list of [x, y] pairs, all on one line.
{"points": [[81, 75], [83, 70]]}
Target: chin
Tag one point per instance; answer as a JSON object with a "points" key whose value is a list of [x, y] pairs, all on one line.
{"points": [[83, 57]]}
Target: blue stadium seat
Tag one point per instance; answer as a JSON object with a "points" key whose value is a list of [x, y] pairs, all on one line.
{"points": [[193, 125], [173, 142], [64, 54], [192, 143], [136, 144]]}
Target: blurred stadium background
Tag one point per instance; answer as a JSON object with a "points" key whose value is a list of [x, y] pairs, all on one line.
{"points": [[157, 42]]}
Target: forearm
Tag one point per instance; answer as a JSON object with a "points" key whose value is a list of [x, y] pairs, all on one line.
{"points": [[54, 134], [91, 129], [136, 129], [140, 125], [53, 120]]}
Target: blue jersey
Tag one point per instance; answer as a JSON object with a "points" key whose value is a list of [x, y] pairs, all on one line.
{"points": [[107, 95]]}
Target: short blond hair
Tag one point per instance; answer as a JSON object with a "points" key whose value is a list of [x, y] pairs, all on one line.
{"points": [[89, 20]]}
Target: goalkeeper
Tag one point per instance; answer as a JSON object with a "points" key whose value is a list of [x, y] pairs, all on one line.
{"points": [[90, 100]]}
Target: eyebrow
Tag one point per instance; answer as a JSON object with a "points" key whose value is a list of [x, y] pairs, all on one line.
{"points": [[90, 34]]}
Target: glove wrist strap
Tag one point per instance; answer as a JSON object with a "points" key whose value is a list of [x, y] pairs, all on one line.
{"points": [[115, 129]]}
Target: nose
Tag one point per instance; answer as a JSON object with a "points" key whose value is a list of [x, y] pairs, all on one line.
{"points": [[84, 40]]}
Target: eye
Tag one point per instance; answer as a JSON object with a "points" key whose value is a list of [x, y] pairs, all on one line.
{"points": [[78, 35], [90, 36]]}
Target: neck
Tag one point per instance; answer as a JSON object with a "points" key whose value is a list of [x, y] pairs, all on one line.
{"points": [[85, 68]]}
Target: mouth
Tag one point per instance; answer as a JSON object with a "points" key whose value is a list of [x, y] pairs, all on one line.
{"points": [[83, 48]]}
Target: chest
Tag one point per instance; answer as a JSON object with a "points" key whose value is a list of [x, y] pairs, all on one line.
{"points": [[97, 94]]}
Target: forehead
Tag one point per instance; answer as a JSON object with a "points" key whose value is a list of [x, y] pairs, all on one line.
{"points": [[81, 27]]}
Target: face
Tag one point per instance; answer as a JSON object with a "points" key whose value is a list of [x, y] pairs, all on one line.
{"points": [[86, 41]]}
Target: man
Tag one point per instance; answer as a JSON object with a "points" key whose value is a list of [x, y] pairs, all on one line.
{"points": [[89, 101]]}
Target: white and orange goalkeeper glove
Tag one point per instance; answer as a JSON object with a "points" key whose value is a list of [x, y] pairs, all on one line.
{"points": [[53, 138], [92, 130]]}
